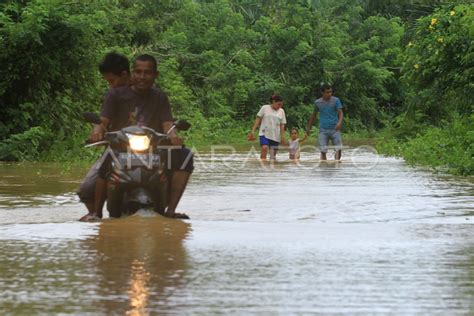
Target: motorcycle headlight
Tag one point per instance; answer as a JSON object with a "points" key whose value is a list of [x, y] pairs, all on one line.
{"points": [[138, 142]]}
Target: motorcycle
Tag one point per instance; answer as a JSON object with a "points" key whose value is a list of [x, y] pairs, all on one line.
{"points": [[137, 178]]}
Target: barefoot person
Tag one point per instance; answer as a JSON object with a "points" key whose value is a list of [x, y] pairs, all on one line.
{"points": [[330, 121], [115, 69], [271, 119], [142, 103]]}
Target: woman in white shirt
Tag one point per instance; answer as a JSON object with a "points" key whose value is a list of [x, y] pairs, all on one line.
{"points": [[271, 119]]}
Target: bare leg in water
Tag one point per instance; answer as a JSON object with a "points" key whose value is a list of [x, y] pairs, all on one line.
{"points": [[179, 180], [273, 152], [100, 196], [264, 152], [90, 207], [95, 209]]}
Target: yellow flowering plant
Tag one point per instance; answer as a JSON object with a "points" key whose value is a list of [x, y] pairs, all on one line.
{"points": [[444, 45]]}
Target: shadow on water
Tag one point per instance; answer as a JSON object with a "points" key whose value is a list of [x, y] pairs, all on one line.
{"points": [[141, 261]]}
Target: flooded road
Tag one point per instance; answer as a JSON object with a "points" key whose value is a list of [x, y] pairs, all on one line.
{"points": [[368, 235]]}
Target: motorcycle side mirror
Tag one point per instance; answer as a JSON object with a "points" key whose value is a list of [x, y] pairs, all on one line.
{"points": [[182, 125], [91, 117]]}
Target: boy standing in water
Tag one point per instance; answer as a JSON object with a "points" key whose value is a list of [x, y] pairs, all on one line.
{"points": [[330, 121], [294, 144]]}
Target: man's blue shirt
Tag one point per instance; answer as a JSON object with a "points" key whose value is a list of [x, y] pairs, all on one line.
{"points": [[328, 117]]}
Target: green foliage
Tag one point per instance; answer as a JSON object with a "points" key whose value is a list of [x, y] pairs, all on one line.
{"points": [[232, 63], [448, 148], [26, 145], [436, 125], [405, 65], [214, 131], [439, 64], [39, 70], [298, 116], [50, 50], [407, 9]]}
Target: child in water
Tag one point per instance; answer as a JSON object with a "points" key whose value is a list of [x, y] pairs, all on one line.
{"points": [[294, 144]]}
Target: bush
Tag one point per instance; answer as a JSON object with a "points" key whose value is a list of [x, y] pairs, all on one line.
{"points": [[449, 148], [438, 69], [25, 146]]}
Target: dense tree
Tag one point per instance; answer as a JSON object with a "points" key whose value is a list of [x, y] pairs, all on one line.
{"points": [[220, 60], [50, 50], [439, 65]]}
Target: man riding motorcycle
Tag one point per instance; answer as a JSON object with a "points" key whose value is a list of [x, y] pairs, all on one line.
{"points": [[144, 104]]}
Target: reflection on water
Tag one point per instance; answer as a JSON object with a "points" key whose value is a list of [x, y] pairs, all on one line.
{"points": [[126, 266], [140, 262], [368, 235]]}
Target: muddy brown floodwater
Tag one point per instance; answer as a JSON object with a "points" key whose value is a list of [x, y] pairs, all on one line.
{"points": [[368, 235]]}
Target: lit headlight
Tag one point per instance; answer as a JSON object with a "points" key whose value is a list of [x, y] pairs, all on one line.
{"points": [[138, 142]]}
